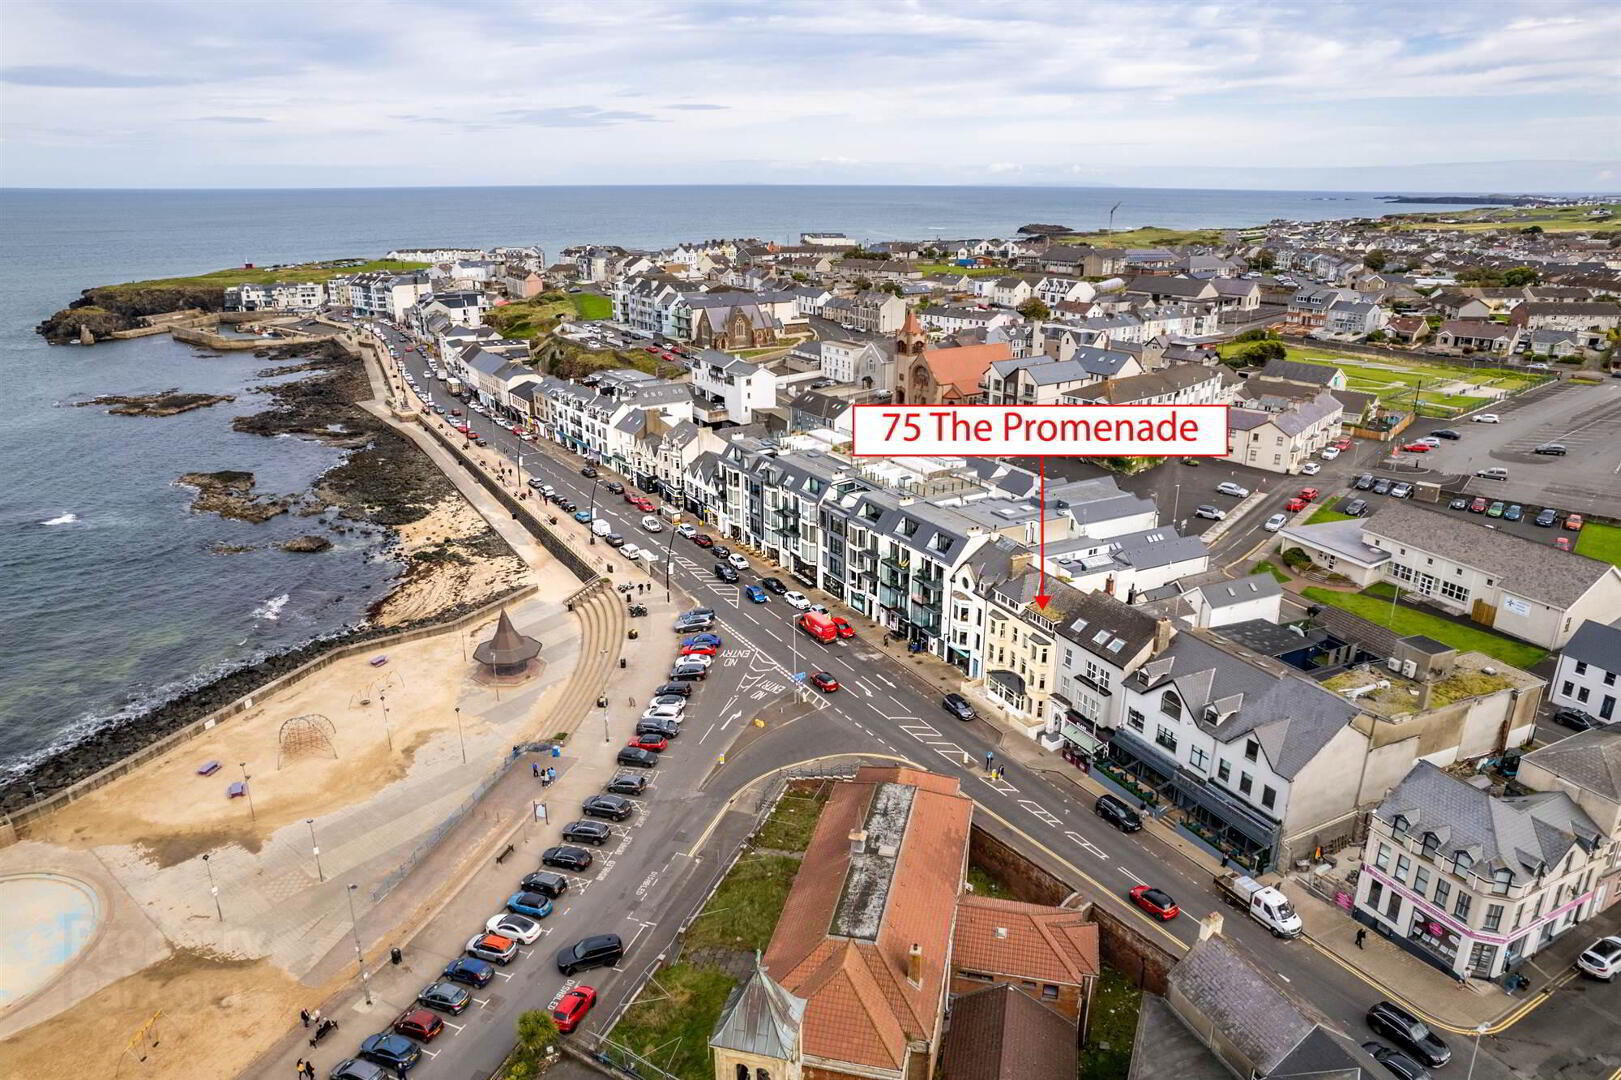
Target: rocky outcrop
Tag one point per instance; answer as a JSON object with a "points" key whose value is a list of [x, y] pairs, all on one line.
{"points": [[1044, 230], [229, 493], [307, 543], [163, 403], [107, 308]]}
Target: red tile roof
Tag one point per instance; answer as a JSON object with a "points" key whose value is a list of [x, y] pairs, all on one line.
{"points": [[1026, 941], [964, 366]]}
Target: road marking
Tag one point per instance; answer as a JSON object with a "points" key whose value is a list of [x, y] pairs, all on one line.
{"points": [[1090, 847]]}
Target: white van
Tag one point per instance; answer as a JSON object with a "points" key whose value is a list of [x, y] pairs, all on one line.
{"points": [[600, 527]]}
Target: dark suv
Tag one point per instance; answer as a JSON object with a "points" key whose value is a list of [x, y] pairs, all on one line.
{"points": [[545, 883], [680, 689], [599, 950], [1117, 813], [613, 807], [1409, 1033], [958, 706], [664, 729], [726, 573], [587, 832], [565, 857], [637, 757], [627, 784]]}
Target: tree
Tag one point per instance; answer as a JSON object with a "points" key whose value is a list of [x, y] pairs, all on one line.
{"points": [[1261, 260], [1034, 308], [1260, 333], [863, 283], [1376, 260], [1259, 352], [1520, 275], [1531, 230], [537, 1033]]}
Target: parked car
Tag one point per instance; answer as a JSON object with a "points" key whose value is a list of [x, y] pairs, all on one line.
{"points": [[824, 682], [1296, 504], [958, 706], [1276, 522], [1381, 486], [612, 807], [589, 473], [469, 970], [755, 594], [1157, 902], [566, 857], [391, 1051], [544, 882], [1328, 453], [1446, 433], [447, 997], [613, 539], [1545, 517], [1417, 448], [1214, 513], [726, 573], [1364, 482], [1551, 449], [1486, 418], [688, 668], [1478, 506], [1494, 473], [419, 1024], [737, 562], [842, 625], [655, 743], [773, 585], [1602, 960], [685, 531], [582, 516], [1575, 718], [686, 624], [587, 832], [598, 950], [1400, 491], [797, 600], [1311, 468], [1115, 811], [638, 758], [492, 947], [1396, 1063], [1460, 503], [1356, 507], [705, 638], [1409, 1033], [615, 486], [1227, 487], [572, 1007], [1573, 522], [704, 540], [357, 1069], [627, 784], [1514, 512], [664, 729], [520, 928]]}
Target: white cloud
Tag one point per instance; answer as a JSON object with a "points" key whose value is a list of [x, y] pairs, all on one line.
{"points": [[896, 90]]}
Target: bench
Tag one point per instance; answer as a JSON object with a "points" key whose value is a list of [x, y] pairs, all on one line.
{"points": [[236, 790], [208, 768], [501, 858]]}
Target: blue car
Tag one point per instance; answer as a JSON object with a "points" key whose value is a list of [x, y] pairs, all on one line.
{"points": [[698, 640], [469, 971], [755, 593], [531, 904], [582, 516]]}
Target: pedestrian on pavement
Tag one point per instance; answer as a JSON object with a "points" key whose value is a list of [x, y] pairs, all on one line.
{"points": [[1361, 936], [989, 757], [299, 1068], [534, 768], [304, 1015], [551, 776], [309, 1070], [399, 1070], [315, 1017]]}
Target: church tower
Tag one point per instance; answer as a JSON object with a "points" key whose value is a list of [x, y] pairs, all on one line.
{"points": [[757, 1036], [912, 340]]}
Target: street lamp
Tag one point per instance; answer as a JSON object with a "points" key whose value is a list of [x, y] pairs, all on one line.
{"points": [[593, 508], [315, 848], [388, 732], [459, 736], [360, 957], [213, 889], [669, 559], [1480, 1029], [247, 789], [602, 703]]}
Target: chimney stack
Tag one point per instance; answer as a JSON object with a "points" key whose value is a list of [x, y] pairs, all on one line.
{"points": [[1210, 926], [1163, 632], [858, 841], [914, 965]]}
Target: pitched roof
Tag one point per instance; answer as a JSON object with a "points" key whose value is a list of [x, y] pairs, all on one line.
{"points": [[1026, 941], [1299, 371], [1522, 567], [1002, 1033], [760, 1017], [1219, 594], [1597, 644], [964, 366], [1588, 759]]}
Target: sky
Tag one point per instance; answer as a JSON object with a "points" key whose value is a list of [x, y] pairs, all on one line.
{"points": [[1471, 95]]}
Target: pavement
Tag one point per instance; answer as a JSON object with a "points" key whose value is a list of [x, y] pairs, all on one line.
{"points": [[889, 706]]}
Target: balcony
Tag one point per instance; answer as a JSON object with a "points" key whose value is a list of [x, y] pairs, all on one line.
{"points": [[892, 578]]}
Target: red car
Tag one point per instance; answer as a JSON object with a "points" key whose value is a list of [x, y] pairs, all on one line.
{"points": [[463, 428], [1573, 522], [704, 541], [1309, 494], [703, 648], [1296, 505], [573, 1007], [1417, 448], [656, 743], [631, 496], [644, 505], [1562, 543], [420, 1024], [1156, 902], [1478, 506], [824, 682], [843, 627], [1342, 445], [455, 412]]}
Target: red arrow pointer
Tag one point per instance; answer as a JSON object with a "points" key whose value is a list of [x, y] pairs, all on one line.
{"points": [[1042, 599]]}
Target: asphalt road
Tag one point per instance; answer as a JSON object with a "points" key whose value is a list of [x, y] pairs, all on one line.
{"points": [[885, 706]]}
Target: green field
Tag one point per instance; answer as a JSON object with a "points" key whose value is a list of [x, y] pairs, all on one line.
{"points": [[1513, 218], [672, 1019], [593, 306], [954, 269], [1395, 385], [264, 276], [1149, 236], [1405, 621], [1602, 542], [528, 318], [1326, 513]]}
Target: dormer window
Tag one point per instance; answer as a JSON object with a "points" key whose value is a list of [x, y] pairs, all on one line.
{"points": [[1431, 845], [1171, 705], [1502, 881], [1400, 825], [1461, 862]]}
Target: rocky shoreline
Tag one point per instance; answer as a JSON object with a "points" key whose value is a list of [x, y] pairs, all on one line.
{"points": [[385, 482], [163, 403]]}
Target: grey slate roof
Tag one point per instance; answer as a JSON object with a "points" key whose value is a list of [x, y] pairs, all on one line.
{"points": [[1589, 759], [1597, 644], [1227, 593], [1523, 567], [760, 1017], [1340, 537], [1524, 834], [1085, 614], [1297, 371]]}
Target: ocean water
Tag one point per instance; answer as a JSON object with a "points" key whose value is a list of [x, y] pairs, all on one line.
{"points": [[110, 597]]}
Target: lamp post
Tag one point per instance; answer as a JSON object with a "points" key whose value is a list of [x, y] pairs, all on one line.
{"points": [[388, 732], [1480, 1029], [213, 889], [602, 703], [354, 928], [315, 848], [247, 789], [593, 509], [459, 736], [669, 558]]}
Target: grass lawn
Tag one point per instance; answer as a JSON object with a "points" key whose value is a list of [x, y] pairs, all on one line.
{"points": [[1601, 542], [671, 1020], [1377, 609], [1327, 513], [1265, 567], [1514, 218], [1107, 1052], [528, 318], [744, 910], [1147, 236], [983, 883], [790, 825], [263, 276], [954, 269], [592, 306]]}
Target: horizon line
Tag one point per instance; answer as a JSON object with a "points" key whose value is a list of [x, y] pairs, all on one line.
{"points": [[1380, 191]]}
